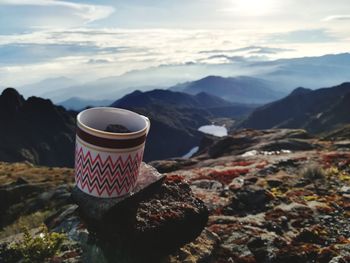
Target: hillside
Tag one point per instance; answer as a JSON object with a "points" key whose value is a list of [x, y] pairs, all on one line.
{"points": [[278, 196], [314, 110], [40, 132], [175, 117], [238, 89], [35, 130]]}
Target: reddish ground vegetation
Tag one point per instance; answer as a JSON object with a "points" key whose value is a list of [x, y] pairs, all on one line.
{"points": [[226, 176]]}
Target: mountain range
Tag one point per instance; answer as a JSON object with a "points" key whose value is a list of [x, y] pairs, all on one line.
{"points": [[38, 131], [238, 89], [176, 117], [285, 74], [314, 110]]}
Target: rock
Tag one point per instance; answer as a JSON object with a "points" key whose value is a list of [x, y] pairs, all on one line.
{"points": [[154, 220], [228, 144], [251, 199], [200, 250], [208, 184], [288, 144], [308, 236], [167, 166], [259, 249], [95, 209], [344, 190], [11, 194]]}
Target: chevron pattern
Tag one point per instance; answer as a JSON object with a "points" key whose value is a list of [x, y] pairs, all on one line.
{"points": [[106, 177]]}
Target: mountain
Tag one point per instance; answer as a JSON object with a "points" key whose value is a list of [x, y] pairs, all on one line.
{"points": [[311, 72], [238, 89], [176, 117], [314, 110], [283, 74], [75, 103], [38, 131], [45, 87], [35, 130], [175, 99]]}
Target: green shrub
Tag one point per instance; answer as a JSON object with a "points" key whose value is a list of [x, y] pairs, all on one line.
{"points": [[36, 249]]}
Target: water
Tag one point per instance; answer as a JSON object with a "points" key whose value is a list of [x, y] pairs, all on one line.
{"points": [[191, 152], [215, 130]]}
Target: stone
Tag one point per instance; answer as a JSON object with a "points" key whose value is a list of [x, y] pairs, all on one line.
{"points": [[251, 199], [161, 215], [200, 250], [95, 209]]}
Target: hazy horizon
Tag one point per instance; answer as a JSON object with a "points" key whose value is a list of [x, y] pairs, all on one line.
{"points": [[89, 40]]}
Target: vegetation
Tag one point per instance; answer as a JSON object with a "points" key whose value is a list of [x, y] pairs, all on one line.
{"points": [[33, 249], [26, 221]]}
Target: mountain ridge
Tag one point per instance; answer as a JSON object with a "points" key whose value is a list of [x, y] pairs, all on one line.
{"points": [[240, 89], [314, 110]]}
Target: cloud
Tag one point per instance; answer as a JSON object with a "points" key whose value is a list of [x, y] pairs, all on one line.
{"points": [[28, 14], [303, 36], [88, 53], [337, 18], [98, 61], [26, 53], [249, 49]]}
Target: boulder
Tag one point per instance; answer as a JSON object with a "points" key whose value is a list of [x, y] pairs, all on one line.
{"points": [[161, 215]]}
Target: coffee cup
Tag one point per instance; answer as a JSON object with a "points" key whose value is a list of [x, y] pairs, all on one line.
{"points": [[107, 163]]}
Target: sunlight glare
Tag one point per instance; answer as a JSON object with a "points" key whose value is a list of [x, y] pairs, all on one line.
{"points": [[253, 7]]}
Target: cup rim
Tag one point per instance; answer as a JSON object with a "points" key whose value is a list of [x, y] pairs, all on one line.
{"points": [[111, 134]]}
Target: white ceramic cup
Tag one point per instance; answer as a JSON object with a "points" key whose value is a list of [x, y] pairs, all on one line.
{"points": [[107, 164]]}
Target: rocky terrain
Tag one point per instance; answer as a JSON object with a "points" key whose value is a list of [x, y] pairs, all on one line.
{"points": [[274, 196]]}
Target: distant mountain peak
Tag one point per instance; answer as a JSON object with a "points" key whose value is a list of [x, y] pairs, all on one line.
{"points": [[241, 89], [300, 91]]}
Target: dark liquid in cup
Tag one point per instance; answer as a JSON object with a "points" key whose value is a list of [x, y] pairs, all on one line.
{"points": [[117, 128]]}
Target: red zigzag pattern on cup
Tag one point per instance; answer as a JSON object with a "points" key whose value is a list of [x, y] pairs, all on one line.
{"points": [[106, 175]]}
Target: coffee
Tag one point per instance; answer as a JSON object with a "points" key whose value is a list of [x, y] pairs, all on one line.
{"points": [[117, 128]]}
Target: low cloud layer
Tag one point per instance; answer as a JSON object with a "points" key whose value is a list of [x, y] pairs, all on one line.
{"points": [[87, 39]]}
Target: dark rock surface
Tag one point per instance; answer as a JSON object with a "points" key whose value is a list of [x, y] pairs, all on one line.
{"points": [[36, 131]]}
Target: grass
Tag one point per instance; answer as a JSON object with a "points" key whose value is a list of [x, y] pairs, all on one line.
{"points": [[10, 172], [28, 221]]}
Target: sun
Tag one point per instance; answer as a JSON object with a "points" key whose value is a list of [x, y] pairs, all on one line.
{"points": [[253, 7]]}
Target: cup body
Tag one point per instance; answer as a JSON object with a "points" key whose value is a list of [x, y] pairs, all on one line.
{"points": [[107, 164]]}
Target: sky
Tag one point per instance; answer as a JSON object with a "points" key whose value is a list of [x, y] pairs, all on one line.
{"points": [[87, 40]]}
